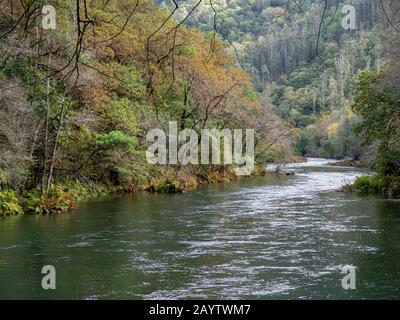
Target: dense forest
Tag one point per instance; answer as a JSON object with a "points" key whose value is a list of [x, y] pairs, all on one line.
{"points": [[303, 61], [77, 100], [314, 72]]}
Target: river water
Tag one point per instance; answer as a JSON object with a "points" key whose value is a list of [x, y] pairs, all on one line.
{"points": [[284, 237]]}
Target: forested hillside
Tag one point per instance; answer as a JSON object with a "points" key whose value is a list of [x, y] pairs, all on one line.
{"points": [[303, 60], [77, 101]]}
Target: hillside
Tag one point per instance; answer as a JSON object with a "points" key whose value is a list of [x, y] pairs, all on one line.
{"points": [[77, 101], [79, 98], [303, 61]]}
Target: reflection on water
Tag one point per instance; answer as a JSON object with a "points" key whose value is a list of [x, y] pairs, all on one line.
{"points": [[265, 238]]}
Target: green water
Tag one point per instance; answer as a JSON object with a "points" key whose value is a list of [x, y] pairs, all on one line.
{"points": [[265, 238]]}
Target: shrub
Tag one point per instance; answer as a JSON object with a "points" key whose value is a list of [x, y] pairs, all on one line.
{"points": [[56, 200], [81, 191], [368, 184], [376, 184], [9, 204], [170, 186]]}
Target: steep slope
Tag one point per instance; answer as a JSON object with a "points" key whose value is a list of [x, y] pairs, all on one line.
{"points": [[77, 101], [304, 61]]}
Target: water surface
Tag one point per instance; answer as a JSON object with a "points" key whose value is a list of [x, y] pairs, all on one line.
{"points": [[266, 238]]}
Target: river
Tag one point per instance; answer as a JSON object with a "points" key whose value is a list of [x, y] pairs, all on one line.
{"points": [[284, 237]]}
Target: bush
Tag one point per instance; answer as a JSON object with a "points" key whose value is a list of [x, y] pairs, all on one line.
{"points": [[376, 184], [165, 185], [81, 191], [9, 204], [169, 186], [368, 184], [55, 201]]}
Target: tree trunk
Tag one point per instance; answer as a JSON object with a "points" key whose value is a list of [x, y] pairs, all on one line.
{"points": [[53, 156], [46, 128]]}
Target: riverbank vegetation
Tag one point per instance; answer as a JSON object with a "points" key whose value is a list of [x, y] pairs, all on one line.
{"points": [[77, 101], [304, 62], [336, 88], [377, 101]]}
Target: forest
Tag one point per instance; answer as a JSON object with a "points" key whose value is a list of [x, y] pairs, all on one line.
{"points": [[314, 73], [77, 100]]}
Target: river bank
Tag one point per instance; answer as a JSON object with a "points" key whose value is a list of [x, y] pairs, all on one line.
{"points": [[348, 162], [272, 237], [388, 187], [63, 197]]}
